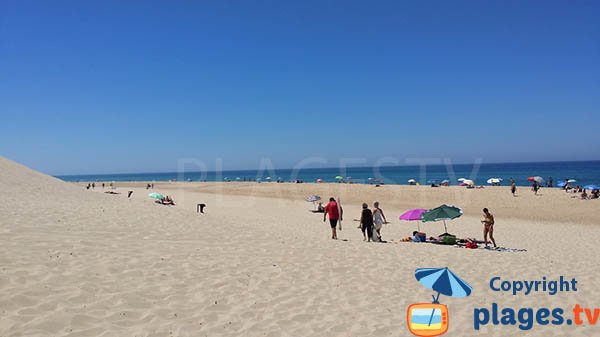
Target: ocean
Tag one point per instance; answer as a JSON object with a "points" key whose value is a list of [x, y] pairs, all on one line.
{"points": [[584, 172]]}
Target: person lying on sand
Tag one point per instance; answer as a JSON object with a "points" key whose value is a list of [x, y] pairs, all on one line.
{"points": [[167, 201], [584, 195]]}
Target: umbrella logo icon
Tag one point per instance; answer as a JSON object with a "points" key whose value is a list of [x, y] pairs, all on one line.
{"points": [[432, 319]]}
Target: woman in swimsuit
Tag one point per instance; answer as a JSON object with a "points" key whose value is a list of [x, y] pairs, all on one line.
{"points": [[378, 219], [488, 227]]}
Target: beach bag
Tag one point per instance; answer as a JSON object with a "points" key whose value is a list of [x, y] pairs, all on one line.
{"points": [[449, 240], [471, 245]]}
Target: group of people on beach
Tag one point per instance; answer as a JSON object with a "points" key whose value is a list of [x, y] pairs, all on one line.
{"points": [[371, 221]]}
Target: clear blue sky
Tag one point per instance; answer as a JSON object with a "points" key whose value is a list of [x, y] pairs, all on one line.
{"points": [[131, 86]]}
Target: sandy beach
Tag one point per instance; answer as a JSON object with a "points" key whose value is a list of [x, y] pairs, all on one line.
{"points": [[77, 262]]}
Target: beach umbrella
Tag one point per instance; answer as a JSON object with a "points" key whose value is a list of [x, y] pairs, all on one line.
{"points": [[432, 181], [339, 177], [443, 212], [462, 179], [443, 281], [157, 196], [445, 181], [413, 215], [238, 178], [411, 181], [468, 182], [268, 178], [319, 180], [570, 181], [591, 187], [494, 180], [537, 179], [313, 198]]}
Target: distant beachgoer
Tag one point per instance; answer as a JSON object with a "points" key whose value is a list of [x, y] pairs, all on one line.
{"points": [[488, 227], [102, 185], [129, 194], [419, 237], [378, 219], [535, 187], [167, 201], [595, 194], [550, 182], [93, 185], [584, 195], [335, 214], [366, 222], [320, 208], [513, 188]]}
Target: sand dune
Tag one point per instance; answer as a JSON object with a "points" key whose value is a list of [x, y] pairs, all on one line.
{"points": [[83, 263]]}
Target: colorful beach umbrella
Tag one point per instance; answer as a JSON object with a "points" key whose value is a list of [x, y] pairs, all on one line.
{"points": [[443, 281], [591, 187], [537, 179], [413, 215], [443, 212], [339, 177], [157, 196]]}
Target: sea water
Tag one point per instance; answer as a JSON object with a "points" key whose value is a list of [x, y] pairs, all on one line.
{"points": [[584, 172]]}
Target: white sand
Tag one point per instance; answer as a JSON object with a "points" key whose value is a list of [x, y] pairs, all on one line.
{"points": [[84, 263]]}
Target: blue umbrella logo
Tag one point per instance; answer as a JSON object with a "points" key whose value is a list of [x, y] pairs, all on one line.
{"points": [[443, 281], [432, 319]]}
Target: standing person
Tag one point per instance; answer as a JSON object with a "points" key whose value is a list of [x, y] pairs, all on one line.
{"points": [[513, 187], [488, 227], [366, 222], [378, 219], [535, 187], [550, 182], [93, 185], [335, 214]]}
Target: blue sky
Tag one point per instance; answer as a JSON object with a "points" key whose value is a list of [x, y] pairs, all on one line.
{"points": [[133, 86]]}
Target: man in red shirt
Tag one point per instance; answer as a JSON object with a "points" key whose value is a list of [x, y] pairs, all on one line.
{"points": [[335, 213]]}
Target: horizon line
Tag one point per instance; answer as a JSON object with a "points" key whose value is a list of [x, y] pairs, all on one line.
{"points": [[325, 168]]}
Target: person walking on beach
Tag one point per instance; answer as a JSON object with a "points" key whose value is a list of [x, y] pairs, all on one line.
{"points": [[366, 222], [535, 187], [335, 213], [378, 220], [488, 227], [513, 187]]}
